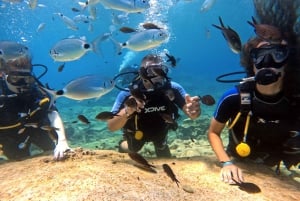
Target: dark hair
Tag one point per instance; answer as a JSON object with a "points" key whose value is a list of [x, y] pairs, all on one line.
{"points": [[151, 58]]}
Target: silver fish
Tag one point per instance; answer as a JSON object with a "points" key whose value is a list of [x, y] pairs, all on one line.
{"points": [[11, 50], [68, 21], [87, 87], [232, 38], [128, 6], [144, 40], [32, 4], [71, 49], [207, 4], [41, 27]]}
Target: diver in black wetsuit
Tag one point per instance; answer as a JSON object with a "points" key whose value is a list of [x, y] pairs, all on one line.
{"points": [[263, 121], [150, 108], [28, 115]]}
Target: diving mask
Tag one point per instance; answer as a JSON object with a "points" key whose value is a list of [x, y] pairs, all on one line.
{"points": [[153, 70], [20, 82], [156, 74], [271, 56], [20, 79]]}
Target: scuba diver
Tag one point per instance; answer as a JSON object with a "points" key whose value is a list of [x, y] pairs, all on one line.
{"points": [[28, 115], [150, 108], [263, 122]]}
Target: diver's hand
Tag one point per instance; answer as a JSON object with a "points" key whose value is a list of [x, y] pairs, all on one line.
{"points": [[231, 173], [192, 106], [135, 106], [61, 148]]}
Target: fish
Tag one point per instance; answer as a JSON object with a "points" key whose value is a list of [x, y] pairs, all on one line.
{"points": [[83, 119], [68, 21], [119, 19], [131, 102], [21, 130], [41, 27], [12, 50], [71, 49], [127, 6], [61, 67], [231, 36], [104, 116], [86, 87], [143, 40], [170, 173], [49, 128], [127, 30], [168, 118], [150, 25], [206, 5], [93, 12], [32, 4], [247, 187], [140, 159], [207, 100], [171, 59], [82, 18], [266, 31], [32, 125], [75, 9]]}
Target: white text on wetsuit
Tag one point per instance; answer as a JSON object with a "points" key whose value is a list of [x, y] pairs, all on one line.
{"points": [[155, 109]]}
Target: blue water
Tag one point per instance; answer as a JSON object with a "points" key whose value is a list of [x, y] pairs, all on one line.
{"points": [[203, 52]]}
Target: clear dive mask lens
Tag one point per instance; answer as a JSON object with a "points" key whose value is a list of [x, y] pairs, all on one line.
{"points": [[274, 56], [20, 79], [153, 70]]}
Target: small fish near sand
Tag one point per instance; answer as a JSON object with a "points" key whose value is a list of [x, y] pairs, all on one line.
{"points": [[106, 115], [140, 159], [170, 173], [83, 119], [231, 36], [248, 187]]}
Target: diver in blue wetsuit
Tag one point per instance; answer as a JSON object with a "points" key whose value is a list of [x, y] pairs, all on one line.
{"points": [[263, 121], [28, 115], [150, 108]]}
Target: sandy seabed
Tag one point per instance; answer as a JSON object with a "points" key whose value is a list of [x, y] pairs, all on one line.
{"points": [[111, 176]]}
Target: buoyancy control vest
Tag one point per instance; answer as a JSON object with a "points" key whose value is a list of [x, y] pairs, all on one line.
{"points": [[261, 124], [158, 115], [17, 110]]}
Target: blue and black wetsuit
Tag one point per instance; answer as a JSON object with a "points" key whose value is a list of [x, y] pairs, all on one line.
{"points": [[150, 120], [272, 122], [17, 111]]}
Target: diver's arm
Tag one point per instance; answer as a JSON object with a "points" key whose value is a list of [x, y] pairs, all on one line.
{"points": [[118, 121], [62, 144], [229, 170]]}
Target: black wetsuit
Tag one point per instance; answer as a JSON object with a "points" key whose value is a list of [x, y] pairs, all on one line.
{"points": [[17, 126], [273, 120], [150, 120]]}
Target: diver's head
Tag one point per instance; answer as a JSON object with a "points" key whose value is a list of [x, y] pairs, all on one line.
{"points": [[153, 72], [17, 68], [269, 61]]}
